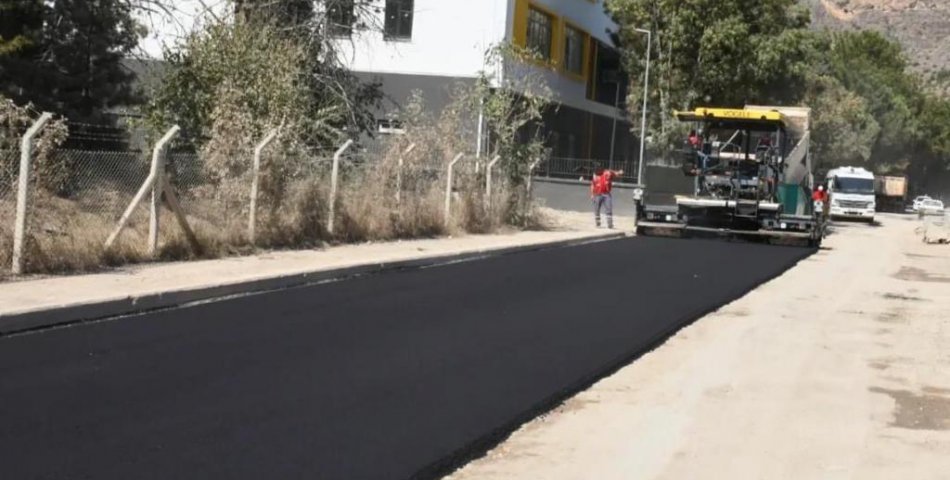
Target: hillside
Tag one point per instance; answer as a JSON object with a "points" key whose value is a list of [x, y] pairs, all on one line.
{"points": [[922, 26]]}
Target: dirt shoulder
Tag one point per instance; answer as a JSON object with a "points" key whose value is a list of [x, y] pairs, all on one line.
{"points": [[840, 368]]}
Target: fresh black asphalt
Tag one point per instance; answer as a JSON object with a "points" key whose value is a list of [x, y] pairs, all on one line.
{"points": [[388, 376]]}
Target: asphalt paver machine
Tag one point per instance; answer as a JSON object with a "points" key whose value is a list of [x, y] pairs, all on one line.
{"points": [[752, 176]]}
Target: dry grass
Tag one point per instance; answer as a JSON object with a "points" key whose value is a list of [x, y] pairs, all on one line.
{"points": [[213, 186], [68, 235], [64, 237]]}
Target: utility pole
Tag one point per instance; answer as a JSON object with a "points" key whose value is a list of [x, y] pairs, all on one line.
{"points": [[643, 121]]}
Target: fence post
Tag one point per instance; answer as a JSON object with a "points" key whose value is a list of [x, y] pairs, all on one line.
{"points": [[23, 191], [448, 188], [488, 173], [175, 207], [255, 181], [158, 172], [528, 191], [333, 183], [150, 183], [399, 172]]}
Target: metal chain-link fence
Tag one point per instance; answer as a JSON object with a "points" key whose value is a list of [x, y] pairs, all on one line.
{"points": [[9, 170], [69, 220], [79, 195], [9, 166]]}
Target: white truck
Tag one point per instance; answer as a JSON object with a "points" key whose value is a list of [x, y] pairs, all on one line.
{"points": [[851, 193]]}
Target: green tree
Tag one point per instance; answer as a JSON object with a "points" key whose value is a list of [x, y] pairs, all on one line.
{"points": [[935, 134], [20, 25], [868, 106], [72, 66], [288, 13], [722, 52], [228, 66], [914, 124], [844, 131], [875, 68]]}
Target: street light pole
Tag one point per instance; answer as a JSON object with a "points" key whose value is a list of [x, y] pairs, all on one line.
{"points": [[643, 121], [613, 128]]}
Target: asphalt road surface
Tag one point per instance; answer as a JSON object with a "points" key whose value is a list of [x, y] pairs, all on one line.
{"points": [[389, 376]]}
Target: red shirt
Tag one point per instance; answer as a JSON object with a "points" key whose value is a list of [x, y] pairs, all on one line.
{"points": [[819, 195], [695, 141], [602, 184]]}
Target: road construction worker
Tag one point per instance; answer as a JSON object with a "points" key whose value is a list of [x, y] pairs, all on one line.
{"points": [[600, 194], [694, 140], [820, 198]]}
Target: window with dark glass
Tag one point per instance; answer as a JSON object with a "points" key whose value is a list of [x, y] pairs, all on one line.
{"points": [[398, 19], [341, 17], [574, 50], [540, 32]]}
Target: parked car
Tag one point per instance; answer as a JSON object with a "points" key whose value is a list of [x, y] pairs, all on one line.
{"points": [[931, 207], [917, 201]]}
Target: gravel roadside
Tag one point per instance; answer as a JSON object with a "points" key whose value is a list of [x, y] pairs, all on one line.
{"points": [[836, 369]]}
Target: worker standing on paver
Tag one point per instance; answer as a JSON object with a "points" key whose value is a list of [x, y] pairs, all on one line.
{"points": [[695, 140], [600, 193], [820, 198]]}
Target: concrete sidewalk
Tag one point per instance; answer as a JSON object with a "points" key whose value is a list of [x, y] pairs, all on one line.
{"points": [[43, 302]]}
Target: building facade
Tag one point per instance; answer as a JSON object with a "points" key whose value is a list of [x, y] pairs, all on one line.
{"points": [[432, 45]]}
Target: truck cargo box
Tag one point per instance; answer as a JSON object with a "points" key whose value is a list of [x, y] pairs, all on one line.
{"points": [[890, 192], [890, 186]]}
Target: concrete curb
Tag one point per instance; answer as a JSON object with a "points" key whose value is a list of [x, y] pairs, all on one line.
{"points": [[67, 314]]}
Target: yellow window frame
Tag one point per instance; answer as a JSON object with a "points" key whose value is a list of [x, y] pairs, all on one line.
{"points": [[559, 26], [520, 33], [585, 52]]}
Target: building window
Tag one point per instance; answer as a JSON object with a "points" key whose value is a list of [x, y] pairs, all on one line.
{"points": [[340, 17], [574, 51], [398, 19], [540, 32]]}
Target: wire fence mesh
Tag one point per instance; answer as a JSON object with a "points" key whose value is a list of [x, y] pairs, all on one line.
{"points": [[68, 221], [213, 203], [9, 168], [9, 165], [80, 191]]}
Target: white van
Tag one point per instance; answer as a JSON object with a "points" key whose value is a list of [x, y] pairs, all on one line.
{"points": [[851, 193]]}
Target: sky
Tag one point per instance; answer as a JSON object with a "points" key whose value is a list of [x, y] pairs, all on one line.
{"points": [[168, 30]]}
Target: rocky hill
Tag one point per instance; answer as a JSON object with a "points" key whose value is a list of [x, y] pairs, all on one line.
{"points": [[922, 26]]}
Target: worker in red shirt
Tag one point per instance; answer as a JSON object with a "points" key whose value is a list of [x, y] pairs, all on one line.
{"points": [[694, 140], [820, 195], [600, 188]]}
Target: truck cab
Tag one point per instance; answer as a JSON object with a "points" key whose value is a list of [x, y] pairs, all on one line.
{"points": [[851, 193]]}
